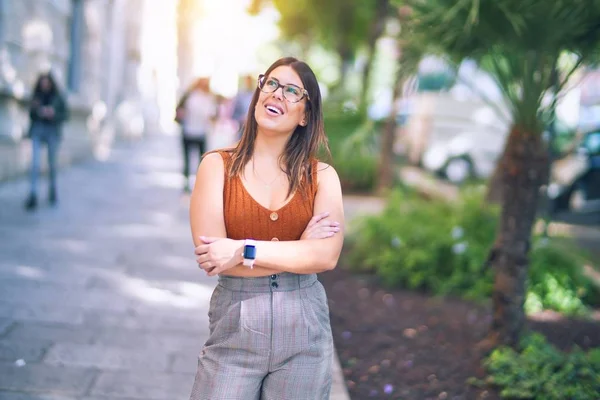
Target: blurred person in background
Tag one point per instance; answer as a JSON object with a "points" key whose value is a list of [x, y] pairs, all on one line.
{"points": [[47, 112], [195, 113], [224, 132], [242, 102], [266, 217]]}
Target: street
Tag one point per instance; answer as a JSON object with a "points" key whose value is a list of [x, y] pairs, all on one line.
{"points": [[100, 298]]}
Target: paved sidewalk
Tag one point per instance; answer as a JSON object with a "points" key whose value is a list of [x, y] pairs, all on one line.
{"points": [[100, 298]]}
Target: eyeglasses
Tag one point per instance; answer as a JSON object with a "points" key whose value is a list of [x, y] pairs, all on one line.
{"points": [[292, 93]]}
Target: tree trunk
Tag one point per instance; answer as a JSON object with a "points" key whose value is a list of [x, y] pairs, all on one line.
{"points": [[346, 56], [388, 136], [375, 31], [366, 74], [523, 169], [494, 185]]}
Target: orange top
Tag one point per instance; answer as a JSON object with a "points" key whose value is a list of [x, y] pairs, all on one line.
{"points": [[245, 218]]}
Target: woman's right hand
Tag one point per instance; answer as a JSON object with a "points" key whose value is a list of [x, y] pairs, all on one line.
{"points": [[319, 227]]}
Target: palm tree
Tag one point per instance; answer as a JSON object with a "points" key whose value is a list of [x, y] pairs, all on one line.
{"points": [[519, 42], [408, 62]]}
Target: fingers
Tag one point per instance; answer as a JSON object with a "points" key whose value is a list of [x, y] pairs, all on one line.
{"points": [[328, 224], [326, 231], [208, 239], [202, 249], [323, 229], [202, 258], [316, 218], [207, 266]]}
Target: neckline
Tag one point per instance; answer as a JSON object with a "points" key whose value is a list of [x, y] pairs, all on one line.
{"points": [[291, 198]]}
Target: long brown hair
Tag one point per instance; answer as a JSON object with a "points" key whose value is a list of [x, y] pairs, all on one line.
{"points": [[303, 144]]}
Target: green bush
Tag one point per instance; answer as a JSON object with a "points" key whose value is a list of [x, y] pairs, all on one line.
{"points": [[353, 144], [441, 247], [542, 372], [435, 246], [556, 279]]}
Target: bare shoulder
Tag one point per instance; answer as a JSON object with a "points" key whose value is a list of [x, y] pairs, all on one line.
{"points": [[211, 161], [327, 173], [210, 179]]}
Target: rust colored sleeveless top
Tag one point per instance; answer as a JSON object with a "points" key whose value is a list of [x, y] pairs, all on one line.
{"points": [[245, 218]]}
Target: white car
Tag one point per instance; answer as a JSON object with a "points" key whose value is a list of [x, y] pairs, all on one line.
{"points": [[465, 156]]}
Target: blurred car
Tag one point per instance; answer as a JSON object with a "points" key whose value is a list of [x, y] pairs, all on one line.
{"points": [[468, 155], [575, 176], [474, 154]]}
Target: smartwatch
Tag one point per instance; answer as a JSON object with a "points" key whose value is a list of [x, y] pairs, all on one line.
{"points": [[249, 253]]}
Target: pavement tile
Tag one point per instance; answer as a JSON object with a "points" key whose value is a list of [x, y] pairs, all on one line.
{"points": [[36, 293], [41, 313], [19, 348], [32, 396], [107, 358], [57, 333], [158, 323], [5, 324], [185, 362], [106, 398], [65, 274], [45, 378], [144, 386], [139, 340]]}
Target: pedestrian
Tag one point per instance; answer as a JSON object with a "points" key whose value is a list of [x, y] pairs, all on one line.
{"points": [[266, 217], [242, 102], [224, 129], [47, 112], [195, 112]]}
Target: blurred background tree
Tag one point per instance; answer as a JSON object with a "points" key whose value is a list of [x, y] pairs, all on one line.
{"points": [[519, 42], [408, 56], [343, 27]]}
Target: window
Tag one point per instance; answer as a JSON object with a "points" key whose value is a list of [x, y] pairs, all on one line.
{"points": [[76, 34]]}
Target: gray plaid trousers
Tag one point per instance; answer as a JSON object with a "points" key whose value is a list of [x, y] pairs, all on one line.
{"points": [[270, 339]]}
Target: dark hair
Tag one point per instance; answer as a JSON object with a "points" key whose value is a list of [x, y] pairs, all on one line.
{"points": [[305, 141], [37, 89]]}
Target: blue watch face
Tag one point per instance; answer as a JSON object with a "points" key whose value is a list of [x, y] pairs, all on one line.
{"points": [[249, 252]]}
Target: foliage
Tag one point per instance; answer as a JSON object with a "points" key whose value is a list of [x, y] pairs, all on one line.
{"points": [[441, 247], [556, 279], [430, 245], [518, 41], [353, 145], [342, 26], [329, 22], [542, 372]]}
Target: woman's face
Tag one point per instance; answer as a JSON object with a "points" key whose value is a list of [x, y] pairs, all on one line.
{"points": [[275, 113], [45, 84]]}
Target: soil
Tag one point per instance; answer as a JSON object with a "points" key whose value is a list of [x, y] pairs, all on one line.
{"points": [[399, 344]]}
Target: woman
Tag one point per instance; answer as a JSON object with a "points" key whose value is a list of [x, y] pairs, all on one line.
{"points": [[266, 216], [195, 111], [47, 113]]}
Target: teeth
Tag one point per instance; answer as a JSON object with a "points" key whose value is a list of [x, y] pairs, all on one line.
{"points": [[274, 109]]}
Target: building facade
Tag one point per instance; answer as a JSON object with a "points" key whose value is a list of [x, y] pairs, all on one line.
{"points": [[93, 48]]}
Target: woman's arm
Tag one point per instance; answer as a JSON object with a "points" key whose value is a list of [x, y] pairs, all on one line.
{"points": [[313, 255], [206, 202], [299, 256]]}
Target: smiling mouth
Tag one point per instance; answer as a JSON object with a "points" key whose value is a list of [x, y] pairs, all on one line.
{"points": [[274, 110]]}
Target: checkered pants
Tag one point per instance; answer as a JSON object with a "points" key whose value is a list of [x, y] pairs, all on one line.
{"points": [[270, 339]]}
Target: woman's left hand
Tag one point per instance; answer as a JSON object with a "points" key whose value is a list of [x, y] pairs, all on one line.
{"points": [[216, 255]]}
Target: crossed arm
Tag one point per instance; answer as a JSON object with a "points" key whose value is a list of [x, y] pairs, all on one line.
{"points": [[318, 250]]}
